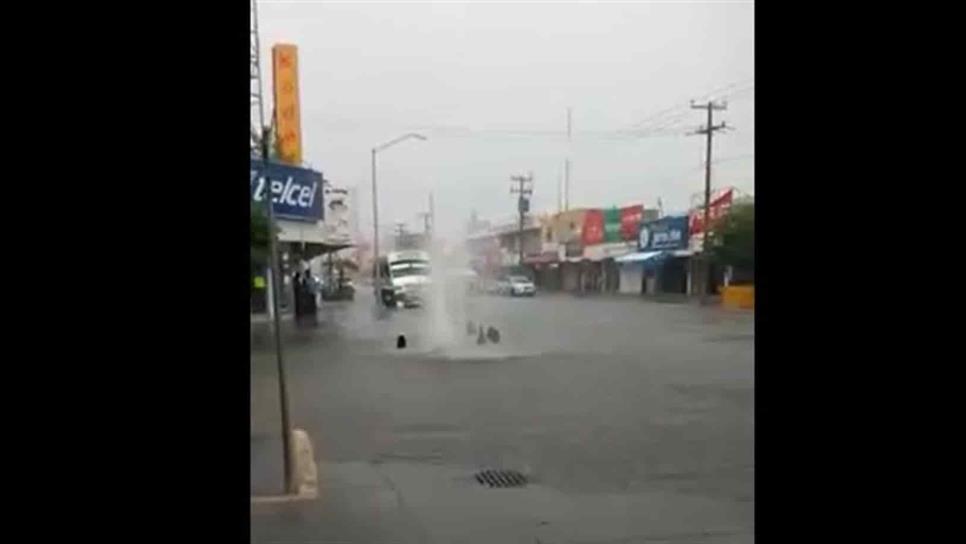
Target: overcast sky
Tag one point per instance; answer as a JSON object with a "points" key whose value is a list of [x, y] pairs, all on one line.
{"points": [[489, 85]]}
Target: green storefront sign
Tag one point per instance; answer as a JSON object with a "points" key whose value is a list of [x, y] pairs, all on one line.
{"points": [[612, 225]]}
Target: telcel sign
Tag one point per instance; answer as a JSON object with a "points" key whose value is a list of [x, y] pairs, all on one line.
{"points": [[296, 192], [664, 233]]}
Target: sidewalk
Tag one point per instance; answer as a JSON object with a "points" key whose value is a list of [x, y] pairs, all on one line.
{"points": [[355, 505], [403, 503], [676, 298], [263, 318]]}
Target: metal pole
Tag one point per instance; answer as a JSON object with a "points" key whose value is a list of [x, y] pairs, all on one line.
{"points": [[275, 272], [376, 272]]}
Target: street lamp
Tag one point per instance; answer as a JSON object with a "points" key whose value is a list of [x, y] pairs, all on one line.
{"points": [[376, 272]]}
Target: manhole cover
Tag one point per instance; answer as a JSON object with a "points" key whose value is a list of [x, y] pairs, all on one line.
{"points": [[501, 478]]}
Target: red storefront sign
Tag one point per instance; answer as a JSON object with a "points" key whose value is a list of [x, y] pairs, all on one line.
{"points": [[631, 221], [719, 207], [593, 227]]}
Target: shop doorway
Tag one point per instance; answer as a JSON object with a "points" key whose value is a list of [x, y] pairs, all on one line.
{"points": [[674, 276]]}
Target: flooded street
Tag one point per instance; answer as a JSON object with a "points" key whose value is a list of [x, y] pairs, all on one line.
{"points": [[638, 414]]}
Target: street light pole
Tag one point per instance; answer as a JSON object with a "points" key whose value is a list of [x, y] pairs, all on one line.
{"points": [[377, 272], [276, 292]]}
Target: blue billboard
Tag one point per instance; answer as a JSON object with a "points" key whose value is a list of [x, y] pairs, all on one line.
{"points": [[667, 233], [296, 192]]}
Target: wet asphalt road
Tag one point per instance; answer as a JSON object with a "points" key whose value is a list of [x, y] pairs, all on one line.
{"points": [[592, 397]]}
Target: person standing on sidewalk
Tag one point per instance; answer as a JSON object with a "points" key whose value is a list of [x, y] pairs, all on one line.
{"points": [[297, 297], [309, 290]]}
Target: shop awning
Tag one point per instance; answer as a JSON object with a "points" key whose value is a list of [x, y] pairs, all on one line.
{"points": [[546, 257], [640, 256]]}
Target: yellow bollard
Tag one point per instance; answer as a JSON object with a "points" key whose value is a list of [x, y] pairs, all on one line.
{"points": [[738, 296]]}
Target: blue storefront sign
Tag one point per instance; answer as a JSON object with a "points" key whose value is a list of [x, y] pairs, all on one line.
{"points": [[296, 192], [667, 233]]}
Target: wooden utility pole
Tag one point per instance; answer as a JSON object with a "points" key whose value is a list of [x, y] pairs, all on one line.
{"points": [[524, 188], [708, 130]]}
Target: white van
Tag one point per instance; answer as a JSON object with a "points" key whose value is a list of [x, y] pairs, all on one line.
{"points": [[405, 278]]}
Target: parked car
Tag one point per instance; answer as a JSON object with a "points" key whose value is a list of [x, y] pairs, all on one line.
{"points": [[520, 286], [501, 286]]}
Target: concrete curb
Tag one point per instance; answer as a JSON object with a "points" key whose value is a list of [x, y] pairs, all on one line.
{"points": [[306, 472]]}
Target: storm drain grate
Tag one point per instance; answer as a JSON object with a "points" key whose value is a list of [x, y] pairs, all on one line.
{"points": [[501, 478]]}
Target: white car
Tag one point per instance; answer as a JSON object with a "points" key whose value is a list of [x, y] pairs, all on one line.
{"points": [[520, 286]]}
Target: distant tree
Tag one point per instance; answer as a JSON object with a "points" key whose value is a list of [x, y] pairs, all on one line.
{"points": [[732, 243]]}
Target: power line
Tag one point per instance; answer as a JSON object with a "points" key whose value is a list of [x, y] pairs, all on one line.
{"points": [[741, 94], [685, 105], [665, 123], [734, 158]]}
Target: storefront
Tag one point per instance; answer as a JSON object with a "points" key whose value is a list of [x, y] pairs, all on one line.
{"points": [[570, 266], [544, 270], [631, 277], [299, 213], [638, 272], [714, 276], [603, 267], [661, 263]]}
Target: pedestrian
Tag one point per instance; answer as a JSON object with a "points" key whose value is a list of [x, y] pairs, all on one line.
{"points": [[311, 306], [297, 297]]}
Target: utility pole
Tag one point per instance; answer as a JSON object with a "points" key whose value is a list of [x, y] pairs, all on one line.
{"points": [[376, 271], [567, 166], [524, 188], [429, 218], [559, 191], [401, 241], [429, 222], [426, 216], [432, 215], [708, 130]]}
